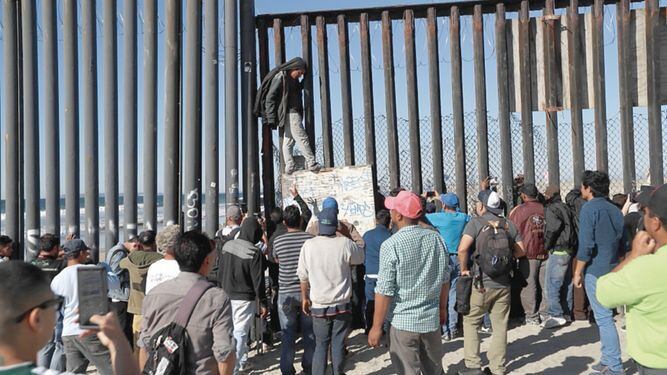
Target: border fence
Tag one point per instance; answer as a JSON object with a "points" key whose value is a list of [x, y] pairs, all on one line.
{"points": [[61, 79]]}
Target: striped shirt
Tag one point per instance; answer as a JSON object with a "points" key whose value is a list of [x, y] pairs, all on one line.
{"points": [[286, 249]]}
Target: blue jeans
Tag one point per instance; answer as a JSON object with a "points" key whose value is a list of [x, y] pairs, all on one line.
{"points": [[452, 315], [331, 330], [290, 315], [559, 285], [611, 347], [52, 355]]}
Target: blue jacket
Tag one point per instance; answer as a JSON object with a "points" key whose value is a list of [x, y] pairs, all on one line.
{"points": [[373, 240], [601, 236]]}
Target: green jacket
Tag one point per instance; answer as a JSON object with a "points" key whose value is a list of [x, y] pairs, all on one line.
{"points": [[137, 264]]}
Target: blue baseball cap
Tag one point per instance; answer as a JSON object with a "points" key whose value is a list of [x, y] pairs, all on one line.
{"points": [[330, 202], [450, 200], [328, 221]]}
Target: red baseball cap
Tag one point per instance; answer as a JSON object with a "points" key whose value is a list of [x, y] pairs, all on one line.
{"points": [[405, 203]]}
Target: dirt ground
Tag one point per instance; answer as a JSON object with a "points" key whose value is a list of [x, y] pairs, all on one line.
{"points": [[566, 351]]}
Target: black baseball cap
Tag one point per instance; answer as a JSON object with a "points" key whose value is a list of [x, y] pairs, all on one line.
{"points": [[74, 246], [530, 190]]}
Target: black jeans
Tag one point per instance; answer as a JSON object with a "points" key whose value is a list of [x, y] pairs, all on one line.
{"points": [[642, 370], [124, 319], [331, 330]]}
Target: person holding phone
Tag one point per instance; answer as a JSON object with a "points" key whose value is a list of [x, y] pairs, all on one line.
{"points": [[640, 283], [79, 351], [28, 318]]}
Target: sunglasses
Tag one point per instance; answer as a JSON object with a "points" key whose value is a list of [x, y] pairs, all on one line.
{"points": [[57, 302]]}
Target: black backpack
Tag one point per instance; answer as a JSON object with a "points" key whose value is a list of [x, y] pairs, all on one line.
{"points": [[493, 249], [219, 244], [168, 347]]}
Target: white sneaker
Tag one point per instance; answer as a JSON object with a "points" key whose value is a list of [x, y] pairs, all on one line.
{"points": [[555, 322], [246, 367]]}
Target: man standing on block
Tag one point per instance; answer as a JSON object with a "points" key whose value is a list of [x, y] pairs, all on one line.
{"points": [[280, 102], [414, 272]]}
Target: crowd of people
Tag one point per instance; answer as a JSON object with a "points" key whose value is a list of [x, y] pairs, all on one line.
{"points": [[428, 272]]}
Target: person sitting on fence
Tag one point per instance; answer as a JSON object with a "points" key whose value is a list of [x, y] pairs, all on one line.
{"points": [[280, 102]]}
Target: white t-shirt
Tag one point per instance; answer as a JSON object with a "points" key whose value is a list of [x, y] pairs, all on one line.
{"points": [[65, 284], [161, 271]]}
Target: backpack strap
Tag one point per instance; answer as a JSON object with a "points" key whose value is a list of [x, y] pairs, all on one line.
{"points": [[190, 301]]}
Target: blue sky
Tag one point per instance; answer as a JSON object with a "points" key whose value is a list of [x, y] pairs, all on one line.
{"points": [[293, 48]]}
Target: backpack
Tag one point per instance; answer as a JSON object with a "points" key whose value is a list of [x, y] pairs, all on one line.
{"points": [[220, 243], [493, 249], [168, 347], [533, 237]]}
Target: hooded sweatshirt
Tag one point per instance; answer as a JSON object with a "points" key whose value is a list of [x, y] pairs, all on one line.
{"points": [[137, 264], [279, 93], [242, 265]]}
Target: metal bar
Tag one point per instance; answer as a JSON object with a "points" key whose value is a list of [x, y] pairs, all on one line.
{"points": [[413, 101], [249, 81], [390, 101], [279, 50], [267, 134], [504, 105], [395, 12], [526, 104], [111, 125], [434, 98], [90, 121], [624, 64], [346, 91], [550, 50], [172, 116], [457, 105], [601, 153], [231, 105], [574, 51], [211, 118], [653, 91], [12, 121], [50, 118], [130, 118], [325, 91], [192, 118], [308, 98], [70, 78], [31, 127], [480, 94], [367, 83], [150, 114]]}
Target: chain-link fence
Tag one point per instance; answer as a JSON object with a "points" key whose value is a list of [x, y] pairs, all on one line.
{"points": [[495, 169]]}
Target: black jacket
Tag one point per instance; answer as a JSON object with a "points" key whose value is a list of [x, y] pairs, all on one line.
{"points": [[272, 98], [559, 232], [242, 265]]}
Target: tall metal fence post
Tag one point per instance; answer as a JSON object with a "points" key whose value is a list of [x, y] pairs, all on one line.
{"points": [[652, 9], [457, 105], [130, 118], [30, 127], [150, 114], [480, 94], [110, 124], [504, 106], [367, 87], [50, 118], [192, 117], [325, 91], [526, 99], [231, 105], [346, 90], [11, 115], [412, 100], [627, 121], [211, 118], [249, 81], [90, 124], [267, 133], [434, 98], [172, 115], [574, 58], [70, 78], [390, 100], [597, 36]]}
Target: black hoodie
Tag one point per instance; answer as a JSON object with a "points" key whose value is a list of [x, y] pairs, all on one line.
{"points": [[241, 271], [273, 96]]}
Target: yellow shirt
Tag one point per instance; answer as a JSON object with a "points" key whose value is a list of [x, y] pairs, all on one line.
{"points": [[642, 286]]}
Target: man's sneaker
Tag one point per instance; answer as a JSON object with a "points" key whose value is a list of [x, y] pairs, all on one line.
{"points": [[598, 367], [533, 321], [554, 322], [471, 371], [568, 318], [246, 367], [315, 168], [607, 371], [488, 330], [447, 336]]}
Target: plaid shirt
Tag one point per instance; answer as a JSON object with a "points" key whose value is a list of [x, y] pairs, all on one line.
{"points": [[413, 266]]}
